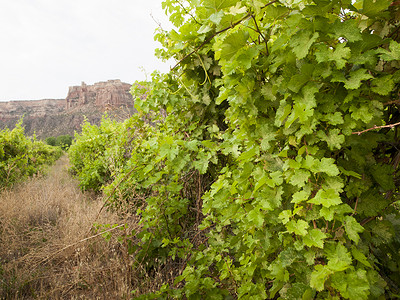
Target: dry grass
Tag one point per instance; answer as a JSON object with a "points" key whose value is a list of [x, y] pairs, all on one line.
{"points": [[47, 247]]}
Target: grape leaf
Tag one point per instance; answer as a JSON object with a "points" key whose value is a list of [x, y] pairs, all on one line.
{"points": [[302, 42], [315, 237], [373, 7], [356, 78], [319, 276], [357, 254], [296, 82], [326, 198], [339, 259], [300, 177], [247, 56], [339, 55], [300, 196], [347, 29], [383, 175], [285, 216], [327, 165], [393, 54], [353, 228], [256, 217], [352, 285], [217, 5], [334, 139], [298, 227], [383, 85], [231, 45]]}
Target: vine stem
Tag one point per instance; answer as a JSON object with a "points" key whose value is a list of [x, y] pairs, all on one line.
{"points": [[184, 8], [355, 207], [233, 277], [376, 127], [259, 31]]}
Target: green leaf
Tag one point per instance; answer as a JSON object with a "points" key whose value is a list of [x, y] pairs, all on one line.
{"points": [[216, 17], [319, 276], [300, 177], [217, 5], [393, 54], [273, 12], [358, 255], [361, 113], [302, 42], [245, 156], [238, 9], [315, 237], [247, 56], [383, 85], [231, 45], [349, 173], [201, 164], [260, 182], [334, 138], [298, 227], [339, 259], [281, 114], [300, 196], [204, 29], [373, 7], [353, 228], [339, 55], [356, 78], [347, 29], [384, 176], [327, 165], [382, 233], [337, 210], [285, 216], [326, 198], [256, 217], [352, 285], [296, 82]]}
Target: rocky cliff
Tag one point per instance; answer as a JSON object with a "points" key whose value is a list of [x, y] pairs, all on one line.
{"points": [[104, 95], [53, 117], [37, 108]]}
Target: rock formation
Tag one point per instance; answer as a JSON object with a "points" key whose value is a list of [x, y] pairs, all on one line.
{"points": [[53, 117], [105, 95], [37, 108]]}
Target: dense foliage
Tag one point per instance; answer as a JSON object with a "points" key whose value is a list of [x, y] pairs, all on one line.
{"points": [[94, 154], [21, 156], [269, 168], [63, 141]]}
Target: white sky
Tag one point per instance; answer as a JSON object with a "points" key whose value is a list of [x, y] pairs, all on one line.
{"points": [[48, 45]]}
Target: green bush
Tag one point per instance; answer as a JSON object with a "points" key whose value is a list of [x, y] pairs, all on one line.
{"points": [[21, 156], [64, 141], [51, 141], [88, 153]]}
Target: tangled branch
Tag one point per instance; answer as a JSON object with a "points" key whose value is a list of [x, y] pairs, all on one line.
{"points": [[376, 127]]}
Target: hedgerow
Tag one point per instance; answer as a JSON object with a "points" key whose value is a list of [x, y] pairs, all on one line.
{"points": [[22, 156]]}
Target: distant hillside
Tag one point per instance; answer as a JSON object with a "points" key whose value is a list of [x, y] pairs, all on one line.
{"points": [[53, 117]]}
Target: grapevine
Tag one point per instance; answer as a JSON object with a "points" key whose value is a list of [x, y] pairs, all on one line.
{"points": [[260, 176]]}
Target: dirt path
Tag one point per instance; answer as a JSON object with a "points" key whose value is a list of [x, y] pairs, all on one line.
{"points": [[42, 224]]}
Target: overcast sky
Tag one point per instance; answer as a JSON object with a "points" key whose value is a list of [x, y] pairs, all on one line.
{"points": [[48, 45]]}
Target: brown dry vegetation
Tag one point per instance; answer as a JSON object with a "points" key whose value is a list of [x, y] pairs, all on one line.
{"points": [[50, 250]]}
